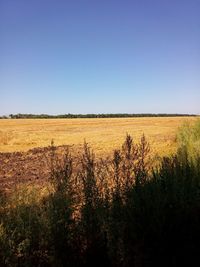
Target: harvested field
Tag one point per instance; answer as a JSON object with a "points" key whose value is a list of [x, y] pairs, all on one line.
{"points": [[102, 134], [24, 144]]}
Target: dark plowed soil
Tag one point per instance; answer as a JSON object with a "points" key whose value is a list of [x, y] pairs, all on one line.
{"points": [[22, 167]]}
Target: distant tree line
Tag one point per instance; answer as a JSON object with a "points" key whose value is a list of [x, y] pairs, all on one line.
{"points": [[107, 115]]}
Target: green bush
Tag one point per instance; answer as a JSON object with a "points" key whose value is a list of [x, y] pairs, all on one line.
{"points": [[23, 233], [188, 138]]}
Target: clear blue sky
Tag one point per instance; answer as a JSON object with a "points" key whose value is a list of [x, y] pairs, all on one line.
{"points": [[99, 56]]}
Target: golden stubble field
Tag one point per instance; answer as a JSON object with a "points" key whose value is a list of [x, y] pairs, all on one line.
{"points": [[103, 135]]}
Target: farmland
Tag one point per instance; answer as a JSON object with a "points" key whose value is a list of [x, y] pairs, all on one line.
{"points": [[103, 135], [65, 209], [24, 143]]}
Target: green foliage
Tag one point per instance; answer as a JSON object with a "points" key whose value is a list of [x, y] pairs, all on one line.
{"points": [[23, 231], [188, 138]]}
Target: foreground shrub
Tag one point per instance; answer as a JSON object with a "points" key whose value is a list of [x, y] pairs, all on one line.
{"points": [[23, 231], [188, 138]]}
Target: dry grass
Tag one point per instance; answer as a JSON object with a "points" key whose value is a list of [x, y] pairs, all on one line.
{"points": [[102, 134]]}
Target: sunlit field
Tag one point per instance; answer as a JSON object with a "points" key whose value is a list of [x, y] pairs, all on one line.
{"points": [[102, 134]]}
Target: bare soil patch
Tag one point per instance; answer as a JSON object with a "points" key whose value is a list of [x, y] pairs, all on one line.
{"points": [[32, 166]]}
